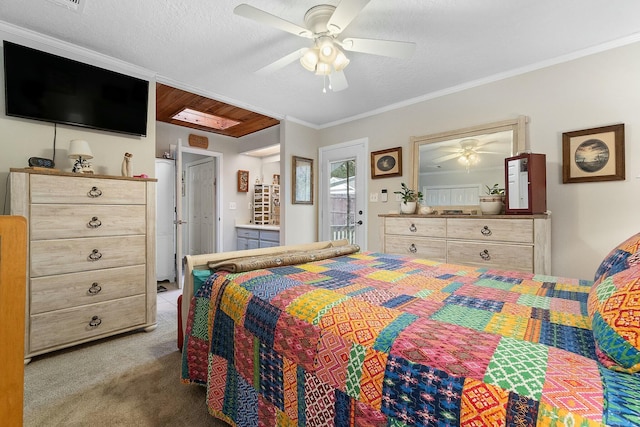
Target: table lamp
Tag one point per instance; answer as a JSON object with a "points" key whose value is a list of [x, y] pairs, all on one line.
{"points": [[79, 150]]}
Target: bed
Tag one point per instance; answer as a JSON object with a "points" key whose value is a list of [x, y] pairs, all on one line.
{"points": [[327, 335]]}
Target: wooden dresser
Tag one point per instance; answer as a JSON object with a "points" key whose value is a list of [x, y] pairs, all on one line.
{"points": [[510, 242], [91, 263]]}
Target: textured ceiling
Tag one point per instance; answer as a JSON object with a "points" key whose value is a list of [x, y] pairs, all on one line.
{"points": [[202, 44]]}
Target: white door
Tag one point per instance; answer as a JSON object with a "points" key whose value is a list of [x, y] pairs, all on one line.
{"points": [[201, 206], [342, 189], [181, 194]]}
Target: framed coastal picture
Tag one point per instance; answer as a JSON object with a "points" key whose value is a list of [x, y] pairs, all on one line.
{"points": [[595, 154], [386, 163]]}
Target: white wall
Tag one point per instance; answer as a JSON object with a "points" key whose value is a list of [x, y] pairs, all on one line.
{"points": [[23, 138], [588, 219], [299, 223]]}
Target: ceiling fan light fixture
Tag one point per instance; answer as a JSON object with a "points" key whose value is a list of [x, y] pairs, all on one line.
{"points": [[341, 61], [327, 49], [309, 60], [323, 69]]}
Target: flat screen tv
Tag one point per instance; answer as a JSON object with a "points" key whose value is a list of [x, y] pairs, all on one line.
{"points": [[42, 86]]}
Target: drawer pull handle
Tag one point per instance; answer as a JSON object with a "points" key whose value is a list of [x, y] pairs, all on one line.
{"points": [[485, 255], [94, 223], [413, 228], [95, 322], [94, 192], [94, 289], [413, 248], [486, 231], [95, 255]]}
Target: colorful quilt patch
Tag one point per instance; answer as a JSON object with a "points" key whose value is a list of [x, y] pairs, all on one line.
{"points": [[308, 305], [622, 406], [296, 340], [320, 402], [418, 395], [271, 376], [519, 366], [331, 360], [357, 321], [483, 404], [460, 351], [572, 383], [473, 318]]}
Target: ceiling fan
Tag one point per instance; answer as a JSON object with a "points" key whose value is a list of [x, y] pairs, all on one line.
{"points": [[467, 153], [324, 24]]}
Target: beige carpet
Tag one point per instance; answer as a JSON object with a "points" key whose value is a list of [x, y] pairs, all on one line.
{"points": [[129, 380]]}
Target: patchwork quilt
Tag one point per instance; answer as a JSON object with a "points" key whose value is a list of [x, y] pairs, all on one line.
{"points": [[372, 339]]}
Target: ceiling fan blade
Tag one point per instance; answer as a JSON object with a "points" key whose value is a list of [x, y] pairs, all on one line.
{"points": [[346, 11], [281, 63], [266, 18], [338, 81], [445, 158], [389, 48]]}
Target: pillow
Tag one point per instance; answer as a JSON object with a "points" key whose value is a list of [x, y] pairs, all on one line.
{"points": [[620, 258], [199, 277], [614, 308]]}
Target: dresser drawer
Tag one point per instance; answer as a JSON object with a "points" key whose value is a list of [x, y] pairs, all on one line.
{"points": [[502, 256], [80, 190], [512, 230], [50, 293], [72, 221], [76, 324], [420, 247], [424, 227], [49, 257]]}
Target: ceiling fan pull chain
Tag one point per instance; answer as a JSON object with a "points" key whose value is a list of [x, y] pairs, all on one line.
{"points": [[324, 81]]}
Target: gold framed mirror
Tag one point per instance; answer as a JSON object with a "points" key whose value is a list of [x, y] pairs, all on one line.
{"points": [[452, 169]]}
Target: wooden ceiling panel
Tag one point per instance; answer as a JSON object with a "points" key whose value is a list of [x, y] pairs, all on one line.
{"points": [[170, 101]]}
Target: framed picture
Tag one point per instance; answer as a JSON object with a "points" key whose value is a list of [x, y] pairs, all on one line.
{"points": [[243, 181], [302, 188], [386, 163], [593, 154]]}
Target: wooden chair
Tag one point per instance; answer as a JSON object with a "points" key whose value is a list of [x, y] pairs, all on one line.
{"points": [[13, 273]]}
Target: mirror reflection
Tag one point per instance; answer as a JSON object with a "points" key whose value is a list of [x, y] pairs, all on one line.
{"points": [[453, 169]]}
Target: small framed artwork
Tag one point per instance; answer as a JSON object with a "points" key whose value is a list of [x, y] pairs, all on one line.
{"points": [[595, 154], [243, 181], [302, 185], [386, 163]]}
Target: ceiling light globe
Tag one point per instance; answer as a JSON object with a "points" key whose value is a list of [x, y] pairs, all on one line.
{"points": [[328, 51], [323, 69], [341, 61], [309, 60]]}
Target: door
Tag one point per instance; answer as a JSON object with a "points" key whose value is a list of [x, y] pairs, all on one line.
{"points": [[342, 189], [182, 152], [200, 206]]}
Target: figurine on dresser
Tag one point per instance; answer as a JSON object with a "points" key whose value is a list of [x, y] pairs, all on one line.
{"points": [[126, 164]]}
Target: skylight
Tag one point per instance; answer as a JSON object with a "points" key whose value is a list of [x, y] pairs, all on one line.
{"points": [[204, 119]]}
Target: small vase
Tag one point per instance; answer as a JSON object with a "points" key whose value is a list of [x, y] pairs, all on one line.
{"points": [[408, 207]]}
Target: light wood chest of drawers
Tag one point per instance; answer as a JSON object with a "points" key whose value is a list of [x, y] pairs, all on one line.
{"points": [[91, 257], [509, 242]]}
